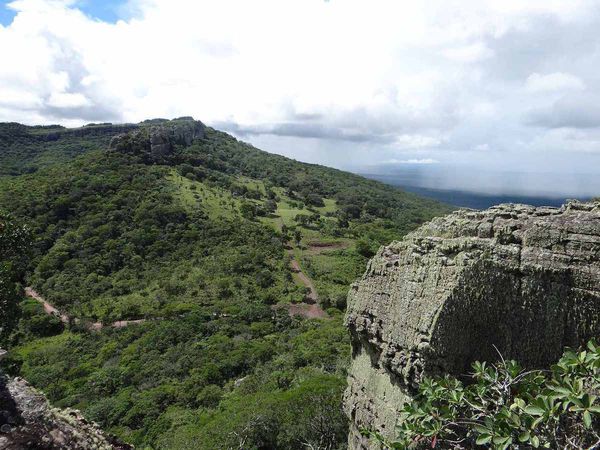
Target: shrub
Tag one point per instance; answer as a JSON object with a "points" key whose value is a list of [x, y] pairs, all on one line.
{"points": [[507, 407], [314, 200], [366, 248]]}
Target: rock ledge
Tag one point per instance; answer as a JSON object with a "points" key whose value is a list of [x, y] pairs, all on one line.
{"points": [[521, 279]]}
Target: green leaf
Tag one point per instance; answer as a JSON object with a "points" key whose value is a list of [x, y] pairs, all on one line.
{"points": [[483, 439], [481, 429], [520, 402], [587, 419], [534, 410], [535, 441], [501, 440], [524, 436], [515, 419], [561, 390]]}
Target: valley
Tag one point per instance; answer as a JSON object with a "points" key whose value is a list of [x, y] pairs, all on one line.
{"points": [[324, 225], [200, 284]]}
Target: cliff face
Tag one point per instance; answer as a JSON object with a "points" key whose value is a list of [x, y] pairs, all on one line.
{"points": [[525, 280], [28, 422], [158, 139]]}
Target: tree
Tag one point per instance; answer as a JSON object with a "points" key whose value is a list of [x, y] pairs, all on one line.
{"points": [[298, 236], [14, 246], [507, 407], [248, 210], [365, 247], [312, 416], [302, 219], [351, 211], [270, 206], [314, 200]]}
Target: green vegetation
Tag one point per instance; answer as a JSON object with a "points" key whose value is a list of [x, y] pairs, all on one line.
{"points": [[26, 149], [196, 243], [14, 246], [507, 407]]}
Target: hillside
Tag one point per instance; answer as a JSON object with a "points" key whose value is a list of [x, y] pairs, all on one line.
{"points": [[222, 250]]}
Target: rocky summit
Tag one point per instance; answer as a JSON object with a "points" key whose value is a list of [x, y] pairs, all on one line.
{"points": [[513, 280], [157, 139]]}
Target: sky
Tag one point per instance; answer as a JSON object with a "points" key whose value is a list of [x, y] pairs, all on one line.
{"points": [[370, 86]]}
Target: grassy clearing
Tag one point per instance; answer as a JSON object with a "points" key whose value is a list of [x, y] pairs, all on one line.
{"points": [[332, 272], [252, 184], [195, 195], [330, 206]]}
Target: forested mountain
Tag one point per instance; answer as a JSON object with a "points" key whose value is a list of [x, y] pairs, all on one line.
{"points": [[232, 262]]}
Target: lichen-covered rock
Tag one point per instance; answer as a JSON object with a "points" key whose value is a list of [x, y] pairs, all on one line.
{"points": [[159, 138], [513, 279], [28, 422]]}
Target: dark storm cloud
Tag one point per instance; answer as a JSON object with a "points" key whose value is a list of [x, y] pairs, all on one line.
{"points": [[303, 130], [573, 111], [358, 125], [89, 113], [544, 43]]}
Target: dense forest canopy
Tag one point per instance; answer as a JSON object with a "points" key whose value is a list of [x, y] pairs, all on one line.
{"points": [[193, 237], [15, 241]]}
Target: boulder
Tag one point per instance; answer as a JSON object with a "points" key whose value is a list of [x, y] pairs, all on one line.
{"points": [[514, 280]]}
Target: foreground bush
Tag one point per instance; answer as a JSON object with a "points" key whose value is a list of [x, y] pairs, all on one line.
{"points": [[507, 407]]}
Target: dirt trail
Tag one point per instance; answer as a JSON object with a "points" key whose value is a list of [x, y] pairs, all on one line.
{"points": [[320, 247], [310, 308], [94, 326], [48, 308], [311, 296]]}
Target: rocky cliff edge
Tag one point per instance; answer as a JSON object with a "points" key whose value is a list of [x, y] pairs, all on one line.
{"points": [[514, 279]]}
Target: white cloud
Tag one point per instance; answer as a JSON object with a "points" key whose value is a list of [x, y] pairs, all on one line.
{"points": [[482, 148], [413, 161], [67, 100], [316, 76], [557, 81], [469, 53], [411, 141]]}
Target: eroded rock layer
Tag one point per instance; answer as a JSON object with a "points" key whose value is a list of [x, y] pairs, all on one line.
{"points": [[516, 279]]}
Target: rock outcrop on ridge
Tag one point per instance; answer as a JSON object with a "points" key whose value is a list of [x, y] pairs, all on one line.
{"points": [[514, 279], [158, 139]]}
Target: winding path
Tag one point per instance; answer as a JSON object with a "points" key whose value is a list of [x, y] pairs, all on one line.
{"points": [[310, 308], [312, 296], [316, 247], [92, 326]]}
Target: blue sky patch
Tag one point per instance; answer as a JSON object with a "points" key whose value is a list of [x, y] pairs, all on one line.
{"points": [[6, 15], [105, 10]]}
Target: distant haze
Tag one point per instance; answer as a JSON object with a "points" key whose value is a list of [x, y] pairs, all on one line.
{"points": [[474, 179], [477, 188]]}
